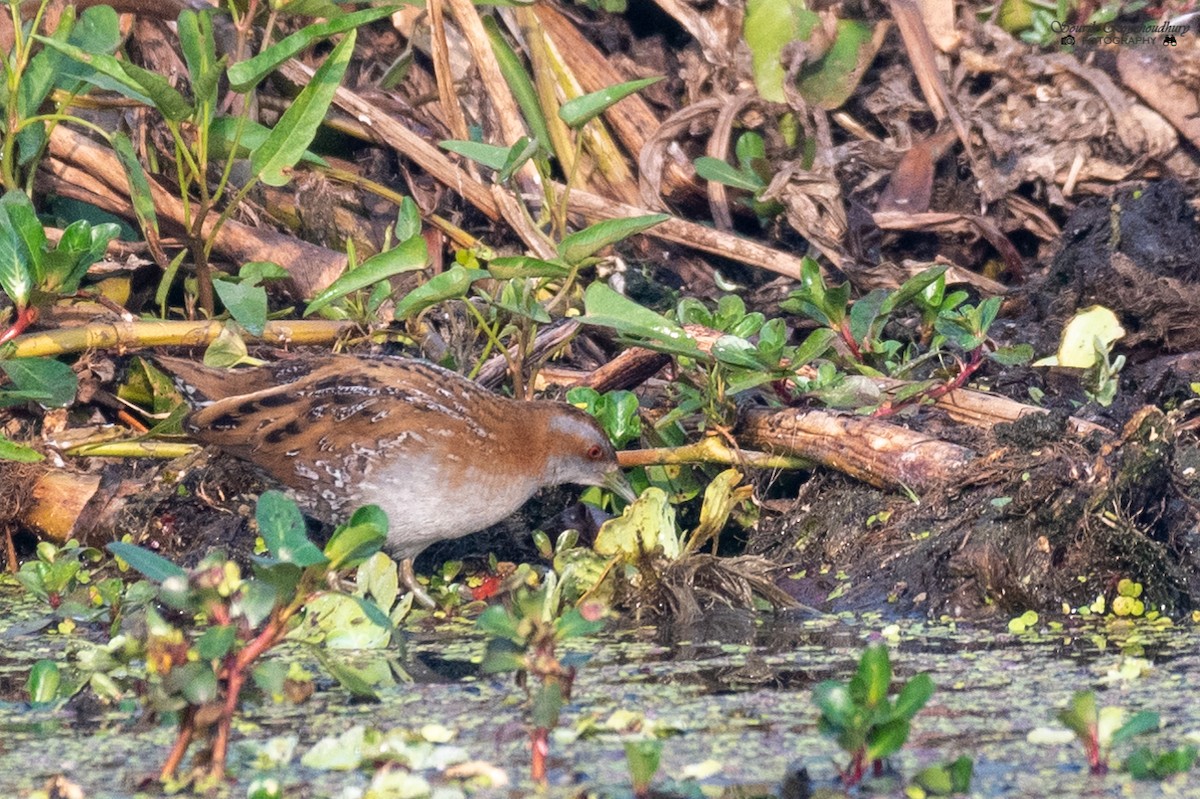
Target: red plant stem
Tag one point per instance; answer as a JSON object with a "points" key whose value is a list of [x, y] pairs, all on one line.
{"points": [[539, 738], [180, 747], [960, 380], [1096, 763], [25, 318], [848, 338]]}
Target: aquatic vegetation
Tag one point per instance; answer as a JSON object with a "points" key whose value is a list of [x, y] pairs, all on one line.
{"points": [[1099, 729], [207, 646], [524, 638], [858, 714]]}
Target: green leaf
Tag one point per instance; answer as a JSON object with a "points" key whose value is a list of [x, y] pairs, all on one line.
{"points": [[195, 681], [131, 80], [769, 26], [519, 83], [30, 235], [1139, 724], [501, 656], [493, 156], [607, 308], [522, 150], [587, 242], [237, 137], [913, 696], [497, 621], [407, 256], [139, 186], [295, 130], [886, 739], [47, 381], [43, 682], [578, 112], [354, 543], [573, 624], [718, 171], [198, 44], [258, 598], [875, 674], [1081, 715], [455, 282], [548, 703], [832, 698], [643, 758], [12, 451], [16, 272], [282, 529], [408, 220], [831, 80], [245, 302], [152, 566], [216, 642], [511, 267], [81, 245], [245, 75], [358, 682]]}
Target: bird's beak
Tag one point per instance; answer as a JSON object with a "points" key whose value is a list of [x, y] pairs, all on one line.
{"points": [[616, 482]]}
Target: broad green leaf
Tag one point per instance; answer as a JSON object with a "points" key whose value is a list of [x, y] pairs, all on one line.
{"points": [[864, 312], [493, 156], [81, 245], [1080, 716], [833, 700], [139, 185], [407, 256], [283, 531], [238, 137], [453, 283], [737, 352], [408, 220], [498, 622], [216, 642], [52, 382], [1077, 348], [340, 621], [913, 696], [643, 757], [875, 672], [607, 308], [578, 112], [718, 171], [258, 597], [12, 451], [245, 75], [43, 682], [1140, 723], [245, 302], [830, 81], [354, 543], [769, 26], [359, 680], [30, 235], [887, 738], [131, 80], [915, 285], [548, 703], [151, 565], [294, 131], [195, 681], [587, 242]]}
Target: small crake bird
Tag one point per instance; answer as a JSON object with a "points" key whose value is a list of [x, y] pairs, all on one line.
{"points": [[442, 456]]}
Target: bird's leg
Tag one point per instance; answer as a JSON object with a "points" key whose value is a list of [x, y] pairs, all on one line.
{"points": [[410, 582]]}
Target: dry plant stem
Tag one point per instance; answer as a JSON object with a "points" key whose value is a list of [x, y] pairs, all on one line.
{"points": [[128, 335], [693, 235], [710, 449], [595, 208], [440, 49], [629, 369], [881, 454]]}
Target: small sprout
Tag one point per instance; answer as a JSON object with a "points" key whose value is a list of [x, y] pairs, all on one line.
{"points": [[1098, 729], [866, 724]]}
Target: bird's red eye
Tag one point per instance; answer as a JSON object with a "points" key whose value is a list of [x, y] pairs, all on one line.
{"points": [[594, 452]]}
